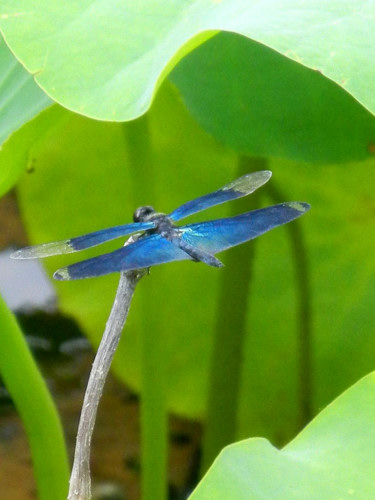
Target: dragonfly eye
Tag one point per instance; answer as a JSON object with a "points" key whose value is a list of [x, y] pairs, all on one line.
{"points": [[142, 213]]}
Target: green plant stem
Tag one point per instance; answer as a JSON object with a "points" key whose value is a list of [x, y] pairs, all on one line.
{"points": [[229, 337], [304, 314], [154, 422], [36, 408], [304, 323]]}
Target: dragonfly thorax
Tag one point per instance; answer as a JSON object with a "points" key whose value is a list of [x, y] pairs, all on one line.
{"points": [[163, 224]]}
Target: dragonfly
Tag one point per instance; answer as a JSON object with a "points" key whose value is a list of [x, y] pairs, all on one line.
{"points": [[158, 240]]}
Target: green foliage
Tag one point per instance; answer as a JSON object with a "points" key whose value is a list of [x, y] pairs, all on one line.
{"points": [[257, 102], [35, 406], [106, 60], [109, 62], [83, 156], [332, 458], [20, 98]]}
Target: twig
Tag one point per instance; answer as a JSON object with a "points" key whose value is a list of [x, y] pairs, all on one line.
{"points": [[80, 481]]}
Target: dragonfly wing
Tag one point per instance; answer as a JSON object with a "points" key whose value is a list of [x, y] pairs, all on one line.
{"points": [[217, 235], [236, 189], [196, 253], [144, 252], [80, 242]]}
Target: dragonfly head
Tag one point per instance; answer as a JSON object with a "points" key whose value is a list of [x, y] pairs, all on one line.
{"points": [[143, 214]]}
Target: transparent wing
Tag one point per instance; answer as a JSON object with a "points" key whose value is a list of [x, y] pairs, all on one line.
{"points": [[145, 252], [217, 235], [80, 242], [240, 187]]}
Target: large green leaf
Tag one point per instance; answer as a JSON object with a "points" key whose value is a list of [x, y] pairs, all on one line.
{"points": [[334, 457], [17, 151], [86, 177], [106, 58], [257, 102], [20, 98]]}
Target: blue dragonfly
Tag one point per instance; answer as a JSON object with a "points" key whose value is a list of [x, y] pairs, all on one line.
{"points": [[162, 241]]}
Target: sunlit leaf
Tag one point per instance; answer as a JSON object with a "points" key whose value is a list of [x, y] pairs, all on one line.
{"points": [[106, 59], [332, 458], [20, 98]]}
